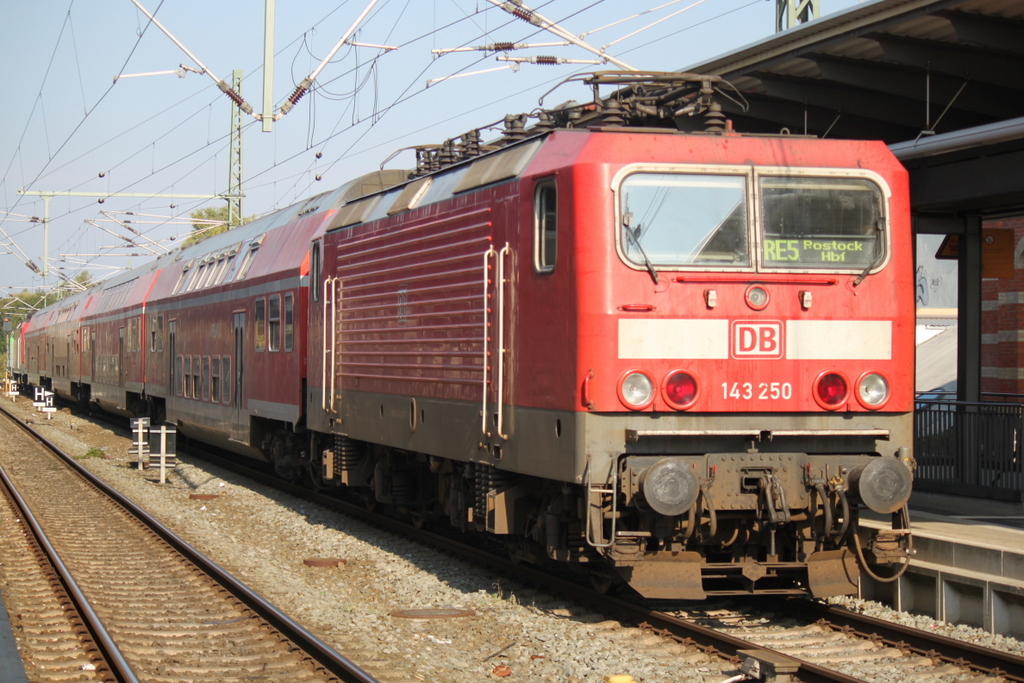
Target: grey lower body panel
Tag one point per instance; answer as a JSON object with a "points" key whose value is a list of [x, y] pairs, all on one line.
{"points": [[565, 445]]}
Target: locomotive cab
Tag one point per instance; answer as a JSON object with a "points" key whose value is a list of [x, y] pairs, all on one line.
{"points": [[754, 368]]}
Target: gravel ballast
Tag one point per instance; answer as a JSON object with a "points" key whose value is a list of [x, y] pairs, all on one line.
{"points": [[262, 535]]}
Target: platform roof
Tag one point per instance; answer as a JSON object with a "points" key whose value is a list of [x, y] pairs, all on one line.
{"points": [[940, 81]]}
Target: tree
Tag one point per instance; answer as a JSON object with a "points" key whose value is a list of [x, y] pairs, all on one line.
{"points": [[204, 229]]}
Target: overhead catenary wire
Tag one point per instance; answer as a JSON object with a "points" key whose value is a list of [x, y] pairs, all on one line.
{"points": [[317, 140]]}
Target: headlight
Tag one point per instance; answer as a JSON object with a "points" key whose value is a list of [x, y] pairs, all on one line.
{"points": [[873, 390], [637, 390]]}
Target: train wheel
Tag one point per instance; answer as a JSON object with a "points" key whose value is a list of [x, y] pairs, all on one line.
{"points": [[604, 581], [286, 461], [315, 473]]}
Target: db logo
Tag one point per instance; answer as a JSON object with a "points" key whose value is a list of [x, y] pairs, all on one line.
{"points": [[757, 339]]}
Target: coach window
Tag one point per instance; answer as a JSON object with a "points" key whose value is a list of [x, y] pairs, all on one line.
{"points": [[545, 210], [215, 270], [226, 368], [274, 317], [228, 263], [160, 333], [261, 324], [197, 375], [187, 377], [215, 379], [314, 272], [289, 329], [197, 278], [177, 374], [185, 269], [206, 378], [250, 256]]}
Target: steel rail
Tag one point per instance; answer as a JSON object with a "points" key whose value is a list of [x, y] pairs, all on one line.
{"points": [[954, 651], [708, 640], [933, 645], [332, 661], [115, 662]]}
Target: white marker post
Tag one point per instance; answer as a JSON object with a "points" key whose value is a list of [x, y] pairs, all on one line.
{"points": [[140, 427], [39, 399], [166, 456], [48, 406]]}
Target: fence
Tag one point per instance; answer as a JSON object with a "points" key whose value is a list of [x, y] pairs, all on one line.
{"points": [[971, 449]]}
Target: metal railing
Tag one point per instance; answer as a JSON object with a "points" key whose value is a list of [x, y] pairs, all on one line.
{"points": [[971, 449]]}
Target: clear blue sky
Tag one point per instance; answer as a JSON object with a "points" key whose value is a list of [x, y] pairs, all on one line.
{"points": [[67, 122]]}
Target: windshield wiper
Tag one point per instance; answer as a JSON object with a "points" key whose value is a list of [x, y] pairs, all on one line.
{"points": [[647, 261], [878, 259]]}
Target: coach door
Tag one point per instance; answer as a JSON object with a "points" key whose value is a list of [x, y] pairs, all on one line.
{"points": [[120, 356], [172, 379], [241, 421]]}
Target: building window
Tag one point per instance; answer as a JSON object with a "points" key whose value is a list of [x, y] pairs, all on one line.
{"points": [[275, 322], [545, 208], [289, 322], [261, 324]]}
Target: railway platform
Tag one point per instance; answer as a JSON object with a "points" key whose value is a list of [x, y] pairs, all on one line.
{"points": [[12, 669], [968, 565]]}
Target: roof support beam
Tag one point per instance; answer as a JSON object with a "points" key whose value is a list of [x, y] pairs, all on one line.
{"points": [[953, 59], [992, 32], [992, 181], [911, 82], [819, 120], [881, 106]]}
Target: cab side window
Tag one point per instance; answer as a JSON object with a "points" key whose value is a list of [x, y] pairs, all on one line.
{"points": [[545, 215]]}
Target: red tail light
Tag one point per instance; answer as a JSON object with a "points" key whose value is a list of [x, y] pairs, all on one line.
{"points": [[680, 389], [832, 390]]}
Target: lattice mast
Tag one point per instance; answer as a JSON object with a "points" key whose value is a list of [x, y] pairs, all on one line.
{"points": [[790, 13]]}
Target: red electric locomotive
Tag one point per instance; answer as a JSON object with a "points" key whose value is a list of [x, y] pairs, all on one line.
{"points": [[682, 360]]}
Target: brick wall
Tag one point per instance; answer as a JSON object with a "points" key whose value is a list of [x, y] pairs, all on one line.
{"points": [[1002, 323]]}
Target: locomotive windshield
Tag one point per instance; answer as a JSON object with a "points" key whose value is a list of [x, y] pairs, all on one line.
{"points": [[685, 220], [821, 222], [682, 220]]}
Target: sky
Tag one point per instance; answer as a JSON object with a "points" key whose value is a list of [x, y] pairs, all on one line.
{"points": [[71, 127]]}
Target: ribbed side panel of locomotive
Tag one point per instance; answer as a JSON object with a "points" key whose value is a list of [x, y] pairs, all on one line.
{"points": [[402, 330]]}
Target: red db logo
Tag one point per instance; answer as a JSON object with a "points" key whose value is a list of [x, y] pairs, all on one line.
{"points": [[756, 339]]}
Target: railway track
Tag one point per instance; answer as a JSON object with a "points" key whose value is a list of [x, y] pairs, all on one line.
{"points": [[103, 592], [796, 641], [815, 642]]}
